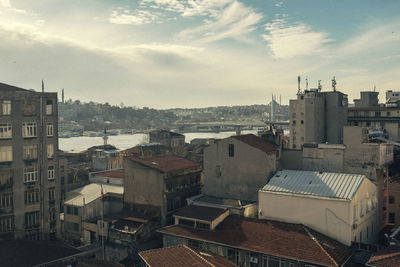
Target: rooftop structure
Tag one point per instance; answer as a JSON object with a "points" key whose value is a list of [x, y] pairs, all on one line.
{"points": [[166, 163], [91, 192], [256, 142], [182, 256], [315, 184], [297, 242]]}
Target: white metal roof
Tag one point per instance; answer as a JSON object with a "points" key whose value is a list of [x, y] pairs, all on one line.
{"points": [[91, 192], [318, 184]]}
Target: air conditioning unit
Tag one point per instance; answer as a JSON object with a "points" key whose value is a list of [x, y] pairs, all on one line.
{"points": [[253, 259], [355, 226]]}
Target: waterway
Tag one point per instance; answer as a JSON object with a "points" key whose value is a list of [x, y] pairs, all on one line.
{"points": [[125, 141]]}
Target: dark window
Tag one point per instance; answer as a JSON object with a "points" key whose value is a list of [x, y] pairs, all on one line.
{"points": [[388, 113], [69, 210], [194, 243], [231, 150], [293, 122], [76, 227], [368, 123], [391, 217], [76, 211], [203, 226], [302, 97], [391, 199], [186, 222], [377, 114], [302, 122]]}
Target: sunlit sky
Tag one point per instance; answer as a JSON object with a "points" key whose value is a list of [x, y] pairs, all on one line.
{"points": [[175, 53]]}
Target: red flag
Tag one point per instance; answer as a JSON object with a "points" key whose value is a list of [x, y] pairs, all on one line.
{"points": [[102, 194]]}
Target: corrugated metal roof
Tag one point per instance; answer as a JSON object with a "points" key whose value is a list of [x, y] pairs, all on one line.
{"points": [[320, 184], [92, 192]]}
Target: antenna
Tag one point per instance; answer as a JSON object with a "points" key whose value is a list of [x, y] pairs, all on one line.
{"points": [[319, 86], [62, 96], [374, 88], [334, 83], [298, 84], [306, 82], [42, 86]]}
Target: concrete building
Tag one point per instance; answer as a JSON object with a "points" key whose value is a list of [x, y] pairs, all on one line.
{"points": [[238, 166], [394, 203], [259, 243], [341, 206], [372, 114], [84, 207], [115, 177], [29, 175], [317, 117], [166, 138], [158, 186]]}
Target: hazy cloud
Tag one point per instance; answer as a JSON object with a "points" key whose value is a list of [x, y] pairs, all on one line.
{"points": [[287, 40], [139, 17]]}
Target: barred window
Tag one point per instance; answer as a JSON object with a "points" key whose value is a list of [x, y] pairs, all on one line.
{"points": [[30, 152], [6, 153], [29, 129], [32, 196], [31, 219], [52, 194], [50, 150], [50, 129], [6, 200], [6, 224], [5, 130], [30, 174], [51, 173], [5, 107]]}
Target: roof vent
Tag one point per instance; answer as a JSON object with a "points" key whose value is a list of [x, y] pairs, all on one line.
{"points": [[310, 182]]}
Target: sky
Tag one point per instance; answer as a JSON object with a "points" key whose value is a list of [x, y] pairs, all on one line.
{"points": [[182, 54]]}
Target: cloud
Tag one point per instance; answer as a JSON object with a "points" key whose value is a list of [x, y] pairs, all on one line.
{"points": [[188, 8], [234, 21], [139, 17], [279, 4], [290, 40]]}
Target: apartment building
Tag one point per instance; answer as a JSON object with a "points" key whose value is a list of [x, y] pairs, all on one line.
{"points": [[317, 117], [338, 205], [29, 177], [167, 138], [368, 113]]}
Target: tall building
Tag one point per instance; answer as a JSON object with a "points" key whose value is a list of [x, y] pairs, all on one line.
{"points": [[317, 117], [29, 184]]}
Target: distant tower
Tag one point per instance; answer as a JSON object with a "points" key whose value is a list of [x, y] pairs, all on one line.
{"points": [[62, 96], [105, 137], [307, 83], [273, 109], [298, 84], [42, 86], [319, 86], [280, 100], [334, 83]]}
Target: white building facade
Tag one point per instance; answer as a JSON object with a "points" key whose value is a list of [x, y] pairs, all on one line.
{"points": [[341, 206]]}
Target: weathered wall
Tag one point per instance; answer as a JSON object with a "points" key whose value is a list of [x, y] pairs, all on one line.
{"points": [[240, 176]]}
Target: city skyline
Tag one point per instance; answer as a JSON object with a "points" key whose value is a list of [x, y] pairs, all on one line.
{"points": [[171, 53]]}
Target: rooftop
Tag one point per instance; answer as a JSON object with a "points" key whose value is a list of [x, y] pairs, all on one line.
{"points": [[256, 142], [386, 258], [291, 241], [315, 184], [165, 131], [166, 163], [182, 256], [7, 87], [200, 212], [110, 174], [229, 202], [91, 192]]}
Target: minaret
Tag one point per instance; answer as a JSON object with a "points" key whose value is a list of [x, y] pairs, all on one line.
{"points": [[105, 137], [42, 86], [62, 96]]}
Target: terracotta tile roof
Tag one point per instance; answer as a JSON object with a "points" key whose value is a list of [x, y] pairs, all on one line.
{"points": [[386, 258], [286, 240], [182, 256], [167, 163], [111, 174], [200, 212], [256, 142]]}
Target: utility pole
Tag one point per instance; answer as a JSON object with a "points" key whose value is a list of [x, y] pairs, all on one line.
{"points": [[41, 169]]}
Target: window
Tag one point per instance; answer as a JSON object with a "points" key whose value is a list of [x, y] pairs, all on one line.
{"points": [[50, 129], [6, 153], [368, 208], [374, 200], [32, 219], [49, 107], [194, 243], [355, 214], [6, 224], [294, 122], [30, 174], [203, 226], [5, 130], [51, 173], [69, 210], [218, 172], [5, 178], [302, 122], [52, 194], [231, 150], [5, 107], [31, 196], [362, 208], [377, 114], [29, 129], [388, 113], [50, 150], [391, 217], [186, 223], [391, 199], [6, 200], [30, 152], [76, 211]]}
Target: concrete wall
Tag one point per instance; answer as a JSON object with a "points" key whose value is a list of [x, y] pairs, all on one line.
{"points": [[331, 217], [291, 159], [240, 176], [323, 158], [143, 188]]}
